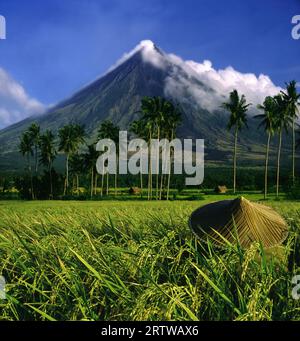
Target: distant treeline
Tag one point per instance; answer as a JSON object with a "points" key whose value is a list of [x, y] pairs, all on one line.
{"points": [[252, 179], [158, 119]]}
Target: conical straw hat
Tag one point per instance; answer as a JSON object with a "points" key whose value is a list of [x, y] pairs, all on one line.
{"points": [[239, 218]]}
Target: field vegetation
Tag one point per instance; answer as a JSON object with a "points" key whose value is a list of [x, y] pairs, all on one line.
{"points": [[108, 260]]}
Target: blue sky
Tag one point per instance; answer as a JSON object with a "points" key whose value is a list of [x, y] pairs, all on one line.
{"points": [[54, 47]]}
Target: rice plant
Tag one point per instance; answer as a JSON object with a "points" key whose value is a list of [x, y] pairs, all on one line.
{"points": [[138, 261]]}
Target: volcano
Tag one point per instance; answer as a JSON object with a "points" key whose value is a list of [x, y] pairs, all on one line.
{"points": [[149, 71]]}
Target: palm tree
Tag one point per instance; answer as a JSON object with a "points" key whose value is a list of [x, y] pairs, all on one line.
{"points": [[267, 120], [149, 129], [147, 122], [165, 121], [154, 111], [283, 120], [25, 148], [76, 167], [34, 133], [291, 97], [70, 138], [90, 159], [48, 153], [110, 131], [173, 120], [238, 107], [169, 123], [161, 110], [138, 129]]}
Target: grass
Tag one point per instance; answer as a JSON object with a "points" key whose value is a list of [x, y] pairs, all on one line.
{"points": [[137, 260]]}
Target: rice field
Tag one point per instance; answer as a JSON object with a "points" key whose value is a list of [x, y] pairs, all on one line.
{"points": [[114, 260]]}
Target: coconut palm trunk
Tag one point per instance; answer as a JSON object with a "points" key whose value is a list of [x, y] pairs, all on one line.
{"points": [[96, 183], [116, 178], [150, 168], [141, 176], [162, 178], [30, 174], [77, 184], [168, 183], [234, 159], [266, 165], [36, 158], [92, 181], [67, 175], [50, 178], [161, 186], [102, 184], [107, 183], [73, 184], [293, 156], [170, 168], [157, 166], [102, 179], [278, 164]]}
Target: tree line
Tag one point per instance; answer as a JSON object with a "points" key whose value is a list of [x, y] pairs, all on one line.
{"points": [[158, 118], [280, 113]]}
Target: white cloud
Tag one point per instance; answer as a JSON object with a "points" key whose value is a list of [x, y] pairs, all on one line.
{"points": [[15, 103], [220, 81], [192, 79]]}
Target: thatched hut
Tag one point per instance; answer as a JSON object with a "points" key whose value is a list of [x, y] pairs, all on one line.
{"points": [[221, 189], [134, 190]]}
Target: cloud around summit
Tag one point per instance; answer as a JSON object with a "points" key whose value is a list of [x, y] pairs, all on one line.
{"points": [[190, 78]]}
